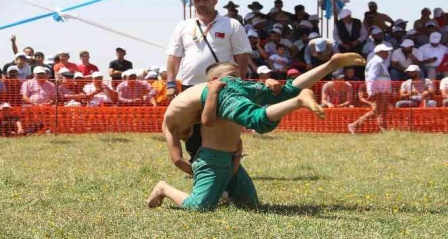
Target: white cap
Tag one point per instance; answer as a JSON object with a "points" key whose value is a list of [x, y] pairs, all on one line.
{"points": [[313, 35], [5, 105], [252, 33], [154, 68], [435, 38], [131, 72], [276, 30], [412, 68], [278, 25], [63, 70], [344, 13], [151, 74], [411, 32], [397, 29], [321, 44], [162, 69], [78, 74], [21, 54], [64, 52], [407, 43], [257, 20], [263, 70], [376, 30], [39, 69], [399, 21], [382, 47], [430, 23], [306, 23], [12, 68], [438, 12], [97, 74], [313, 18]]}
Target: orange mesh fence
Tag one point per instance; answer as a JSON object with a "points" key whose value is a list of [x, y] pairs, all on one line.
{"points": [[85, 119]]}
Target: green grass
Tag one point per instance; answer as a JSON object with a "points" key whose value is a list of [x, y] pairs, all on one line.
{"points": [[391, 185]]}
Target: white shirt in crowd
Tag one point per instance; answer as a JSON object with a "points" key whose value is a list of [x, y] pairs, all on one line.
{"points": [[377, 76], [422, 85], [279, 62], [271, 48], [444, 84], [349, 26], [428, 51], [398, 56], [226, 36]]}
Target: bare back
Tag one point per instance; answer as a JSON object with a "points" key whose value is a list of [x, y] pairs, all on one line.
{"points": [[184, 111]]}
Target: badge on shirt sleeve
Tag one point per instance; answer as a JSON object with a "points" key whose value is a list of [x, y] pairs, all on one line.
{"points": [[221, 35]]}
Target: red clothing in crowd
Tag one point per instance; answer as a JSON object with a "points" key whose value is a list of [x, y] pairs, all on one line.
{"points": [[70, 66], [87, 70]]}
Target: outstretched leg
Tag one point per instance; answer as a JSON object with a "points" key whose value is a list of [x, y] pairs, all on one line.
{"points": [[338, 60], [162, 190], [304, 100]]}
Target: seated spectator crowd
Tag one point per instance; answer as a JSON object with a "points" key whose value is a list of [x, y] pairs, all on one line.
{"points": [[284, 44]]}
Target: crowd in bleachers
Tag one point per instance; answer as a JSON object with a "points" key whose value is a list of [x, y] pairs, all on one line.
{"points": [[284, 44]]}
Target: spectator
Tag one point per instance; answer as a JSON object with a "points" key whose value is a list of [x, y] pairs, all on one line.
{"points": [[259, 25], [397, 37], [279, 63], [38, 91], [68, 89], [299, 15], [349, 74], [86, 68], [349, 41], [64, 56], [51, 61], [319, 51], [98, 91], [11, 125], [444, 91], [413, 35], [378, 88], [275, 39], [337, 93], [160, 87], [401, 24], [301, 45], [132, 92], [29, 51], [402, 58], [255, 8], [380, 19], [277, 14], [419, 25], [416, 91], [376, 38], [292, 74], [151, 76], [314, 19], [120, 65], [264, 73], [258, 56], [78, 76], [12, 73], [369, 20], [232, 11], [39, 58], [433, 54], [440, 17], [24, 70]]}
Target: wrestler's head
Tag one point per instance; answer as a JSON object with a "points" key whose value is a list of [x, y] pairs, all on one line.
{"points": [[222, 69]]}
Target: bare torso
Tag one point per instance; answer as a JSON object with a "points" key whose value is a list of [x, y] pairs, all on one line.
{"points": [[223, 135]]}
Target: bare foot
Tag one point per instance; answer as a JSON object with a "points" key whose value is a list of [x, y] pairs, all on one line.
{"points": [[156, 197], [347, 59], [306, 98], [351, 128]]}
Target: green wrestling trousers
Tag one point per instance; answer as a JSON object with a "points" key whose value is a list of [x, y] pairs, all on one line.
{"points": [[212, 170], [243, 102]]}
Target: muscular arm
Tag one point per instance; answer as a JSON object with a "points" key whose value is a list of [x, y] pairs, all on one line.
{"points": [[208, 116], [172, 67], [243, 61], [175, 149]]}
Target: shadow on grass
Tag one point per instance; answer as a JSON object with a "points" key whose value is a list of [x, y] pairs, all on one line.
{"points": [[299, 178], [263, 136], [159, 138], [115, 140]]}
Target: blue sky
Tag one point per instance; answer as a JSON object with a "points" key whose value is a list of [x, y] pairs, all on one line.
{"points": [[152, 20]]}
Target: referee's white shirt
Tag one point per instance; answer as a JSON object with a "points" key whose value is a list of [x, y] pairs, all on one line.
{"points": [[227, 38]]}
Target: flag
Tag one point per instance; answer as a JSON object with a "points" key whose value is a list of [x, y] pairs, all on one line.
{"points": [[327, 5], [185, 2]]}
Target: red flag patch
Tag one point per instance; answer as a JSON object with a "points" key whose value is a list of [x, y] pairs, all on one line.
{"points": [[220, 35]]}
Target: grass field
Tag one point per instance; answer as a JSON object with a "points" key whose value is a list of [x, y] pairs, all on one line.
{"points": [[392, 185]]}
